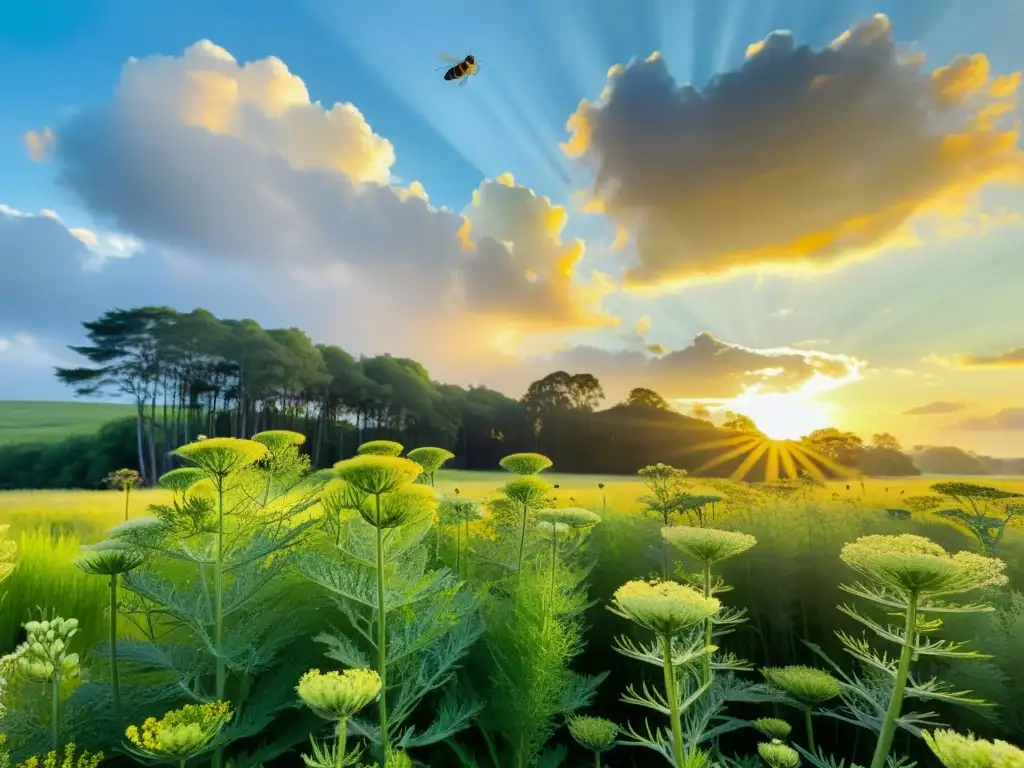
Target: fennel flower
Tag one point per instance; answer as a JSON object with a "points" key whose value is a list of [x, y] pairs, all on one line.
{"points": [[181, 479], [574, 517], [380, 448], [593, 733], [108, 558], [807, 685], [220, 456], [525, 463], [916, 565], [54, 758], [664, 607], [527, 491], [338, 695], [708, 545], [778, 755], [773, 727], [180, 734], [400, 506], [374, 474], [957, 751], [551, 530]]}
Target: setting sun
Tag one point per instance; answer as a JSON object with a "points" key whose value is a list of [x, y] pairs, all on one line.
{"points": [[782, 416]]}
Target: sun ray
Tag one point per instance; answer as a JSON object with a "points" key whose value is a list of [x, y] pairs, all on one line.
{"points": [[788, 465], [724, 457], [748, 463], [771, 470]]}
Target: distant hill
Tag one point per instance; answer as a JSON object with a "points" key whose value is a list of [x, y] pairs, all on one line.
{"points": [[949, 460], [23, 421]]}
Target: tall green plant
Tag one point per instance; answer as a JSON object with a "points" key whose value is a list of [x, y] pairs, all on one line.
{"points": [[527, 492], [419, 623], [431, 459], [664, 484], [667, 609], [111, 559], [211, 599], [912, 577]]}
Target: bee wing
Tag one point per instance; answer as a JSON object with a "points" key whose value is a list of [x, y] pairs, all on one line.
{"points": [[449, 59], [463, 81]]}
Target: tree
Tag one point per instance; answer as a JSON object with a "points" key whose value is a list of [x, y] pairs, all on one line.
{"points": [[740, 423], [700, 411], [585, 392], [647, 398], [885, 441], [841, 447], [125, 351]]}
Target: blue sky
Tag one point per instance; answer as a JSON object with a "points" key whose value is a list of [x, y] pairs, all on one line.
{"points": [[538, 60]]}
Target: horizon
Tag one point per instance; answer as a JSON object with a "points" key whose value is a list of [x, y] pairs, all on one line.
{"points": [[780, 247]]}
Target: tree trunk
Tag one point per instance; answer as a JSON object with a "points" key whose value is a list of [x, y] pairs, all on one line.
{"points": [[139, 419]]}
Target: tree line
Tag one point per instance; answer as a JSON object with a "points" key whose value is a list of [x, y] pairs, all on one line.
{"points": [[192, 374]]}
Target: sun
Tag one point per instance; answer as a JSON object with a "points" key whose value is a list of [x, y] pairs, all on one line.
{"points": [[783, 415]]}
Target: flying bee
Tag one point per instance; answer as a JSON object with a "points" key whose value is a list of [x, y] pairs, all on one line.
{"points": [[460, 69]]}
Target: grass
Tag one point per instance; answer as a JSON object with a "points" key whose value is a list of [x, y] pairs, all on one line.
{"points": [[47, 422]]}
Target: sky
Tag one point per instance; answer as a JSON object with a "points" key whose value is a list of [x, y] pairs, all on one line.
{"points": [[808, 212]]}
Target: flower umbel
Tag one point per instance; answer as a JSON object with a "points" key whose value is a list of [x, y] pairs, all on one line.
{"points": [[375, 473], [807, 685], [916, 565], [664, 607], [708, 545], [525, 463], [593, 733], [54, 758], [338, 695], [220, 456], [109, 558], [778, 755], [773, 727], [957, 751], [574, 517], [180, 734]]}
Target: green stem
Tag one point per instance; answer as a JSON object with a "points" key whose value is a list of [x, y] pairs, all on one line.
{"points": [[115, 685], [673, 701], [597, 759], [55, 709], [902, 672], [522, 540], [458, 549], [810, 730], [707, 623], [382, 706], [339, 755], [127, 497], [218, 612], [551, 591]]}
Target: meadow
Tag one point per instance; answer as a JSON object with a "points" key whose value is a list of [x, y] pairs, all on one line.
{"points": [[24, 422], [525, 665]]}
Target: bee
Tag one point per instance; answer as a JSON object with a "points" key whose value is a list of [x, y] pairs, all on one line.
{"points": [[461, 69]]}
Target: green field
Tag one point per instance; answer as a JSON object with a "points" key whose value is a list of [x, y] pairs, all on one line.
{"points": [[23, 421]]}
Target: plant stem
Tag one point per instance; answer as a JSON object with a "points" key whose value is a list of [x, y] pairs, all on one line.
{"points": [[810, 729], [458, 549], [339, 755], [902, 672], [218, 611], [382, 656], [114, 678], [522, 541], [597, 759], [707, 623], [673, 701], [55, 709], [127, 497]]}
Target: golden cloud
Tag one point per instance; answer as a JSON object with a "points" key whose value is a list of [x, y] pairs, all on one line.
{"points": [[38, 144], [798, 159]]}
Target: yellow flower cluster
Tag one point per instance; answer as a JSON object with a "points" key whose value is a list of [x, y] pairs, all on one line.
{"points": [[181, 733], [664, 607], [54, 759], [914, 564], [338, 695], [708, 545], [955, 750]]}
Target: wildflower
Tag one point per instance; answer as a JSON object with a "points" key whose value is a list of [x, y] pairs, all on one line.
{"points": [[574, 517], [431, 459], [53, 758], [916, 565], [380, 448], [552, 530], [109, 558], [525, 463], [179, 735], [400, 506], [664, 607], [807, 685], [778, 755], [526, 490], [338, 695], [374, 474], [956, 751], [220, 456], [181, 479], [773, 727], [593, 733], [43, 656], [708, 545], [278, 440]]}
